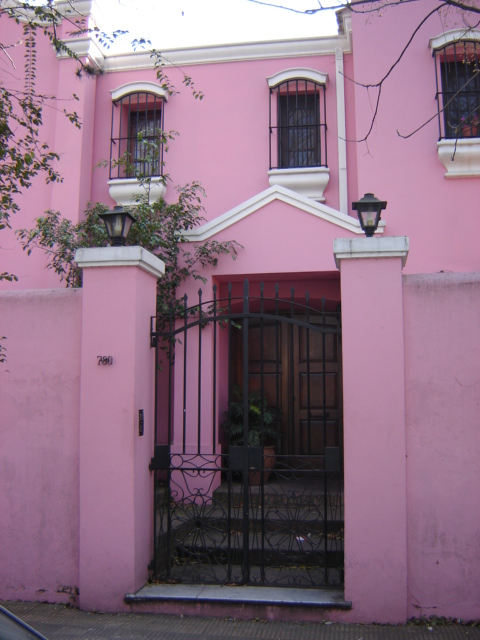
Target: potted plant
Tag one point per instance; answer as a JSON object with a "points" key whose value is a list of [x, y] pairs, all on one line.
{"points": [[470, 126], [262, 429]]}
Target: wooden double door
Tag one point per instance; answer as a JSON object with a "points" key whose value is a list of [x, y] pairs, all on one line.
{"points": [[295, 361]]}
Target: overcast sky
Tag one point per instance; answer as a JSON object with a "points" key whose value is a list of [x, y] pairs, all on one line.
{"points": [[183, 23]]}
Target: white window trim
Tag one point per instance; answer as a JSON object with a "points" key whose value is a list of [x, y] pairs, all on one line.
{"points": [[456, 35], [139, 87], [461, 157], [126, 191], [299, 73], [310, 182]]}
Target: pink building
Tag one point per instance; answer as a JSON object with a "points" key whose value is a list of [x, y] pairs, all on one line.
{"points": [[115, 461]]}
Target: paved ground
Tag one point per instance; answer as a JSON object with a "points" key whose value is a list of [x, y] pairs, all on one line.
{"points": [[57, 622]]}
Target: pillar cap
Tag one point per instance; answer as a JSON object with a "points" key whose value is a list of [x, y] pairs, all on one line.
{"points": [[120, 257], [385, 247]]}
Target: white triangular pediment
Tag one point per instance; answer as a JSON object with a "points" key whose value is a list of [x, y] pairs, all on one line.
{"points": [[264, 198]]}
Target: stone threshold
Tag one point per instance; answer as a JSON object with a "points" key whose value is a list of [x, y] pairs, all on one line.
{"points": [[213, 594]]}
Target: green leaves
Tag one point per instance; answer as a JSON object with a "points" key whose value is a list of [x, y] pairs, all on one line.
{"points": [[158, 229], [262, 428]]}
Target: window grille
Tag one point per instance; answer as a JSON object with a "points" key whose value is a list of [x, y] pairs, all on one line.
{"points": [[297, 125], [458, 89], [136, 149]]}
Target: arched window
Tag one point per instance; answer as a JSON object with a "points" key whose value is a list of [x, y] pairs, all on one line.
{"points": [[458, 88], [136, 149], [297, 123]]}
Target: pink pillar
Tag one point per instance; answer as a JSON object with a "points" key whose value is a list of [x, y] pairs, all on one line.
{"points": [[116, 486], [374, 426]]}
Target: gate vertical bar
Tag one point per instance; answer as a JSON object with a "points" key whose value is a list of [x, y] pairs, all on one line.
{"points": [[307, 346], [246, 523], [214, 417], [229, 417], [155, 481], [325, 473], [170, 378], [277, 363], [262, 477], [185, 374], [199, 407], [291, 376]]}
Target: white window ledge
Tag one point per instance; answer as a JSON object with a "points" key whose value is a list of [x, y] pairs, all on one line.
{"points": [[461, 158], [127, 191], [309, 182]]}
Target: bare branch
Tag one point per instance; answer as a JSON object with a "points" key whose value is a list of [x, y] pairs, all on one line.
{"points": [[366, 6], [445, 106]]}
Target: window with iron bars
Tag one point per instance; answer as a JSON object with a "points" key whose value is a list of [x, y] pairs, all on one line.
{"points": [[297, 125], [136, 149], [458, 89]]}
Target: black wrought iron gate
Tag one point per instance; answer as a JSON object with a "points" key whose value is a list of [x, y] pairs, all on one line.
{"points": [[248, 454]]}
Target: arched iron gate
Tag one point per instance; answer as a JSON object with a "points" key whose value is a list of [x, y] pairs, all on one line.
{"points": [[222, 516]]}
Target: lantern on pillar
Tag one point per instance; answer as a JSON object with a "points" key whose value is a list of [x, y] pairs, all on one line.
{"points": [[118, 223], [369, 209]]}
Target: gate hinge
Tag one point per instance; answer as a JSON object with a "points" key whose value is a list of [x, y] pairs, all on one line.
{"points": [[161, 457]]}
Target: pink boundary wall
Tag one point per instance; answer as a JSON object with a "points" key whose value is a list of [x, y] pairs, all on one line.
{"points": [[77, 493], [412, 498], [39, 456], [442, 356]]}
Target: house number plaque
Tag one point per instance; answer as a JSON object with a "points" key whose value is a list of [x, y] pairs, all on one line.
{"points": [[104, 360]]}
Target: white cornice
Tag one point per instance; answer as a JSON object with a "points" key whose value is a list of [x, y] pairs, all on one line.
{"points": [[83, 47], [139, 87], [266, 197], [453, 36], [387, 247], [229, 53], [297, 73], [120, 257]]}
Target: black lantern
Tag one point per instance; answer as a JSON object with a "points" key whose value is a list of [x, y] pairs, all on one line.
{"points": [[369, 209], [118, 223]]}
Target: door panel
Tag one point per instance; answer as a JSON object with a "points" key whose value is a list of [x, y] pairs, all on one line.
{"points": [[286, 362]]}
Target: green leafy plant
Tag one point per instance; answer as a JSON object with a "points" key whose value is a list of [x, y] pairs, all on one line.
{"points": [[262, 428], [159, 228]]}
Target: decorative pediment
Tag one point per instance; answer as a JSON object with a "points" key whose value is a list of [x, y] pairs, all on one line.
{"points": [[268, 196]]}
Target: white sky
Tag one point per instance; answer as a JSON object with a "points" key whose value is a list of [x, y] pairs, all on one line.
{"points": [[184, 23]]}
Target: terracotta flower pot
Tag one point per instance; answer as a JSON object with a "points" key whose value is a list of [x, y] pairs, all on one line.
{"points": [[470, 130]]}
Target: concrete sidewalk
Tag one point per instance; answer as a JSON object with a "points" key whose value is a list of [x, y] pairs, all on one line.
{"points": [[58, 622]]}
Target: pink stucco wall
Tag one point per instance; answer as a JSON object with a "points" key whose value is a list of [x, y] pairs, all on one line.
{"points": [[439, 215], [39, 431], [442, 355]]}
